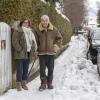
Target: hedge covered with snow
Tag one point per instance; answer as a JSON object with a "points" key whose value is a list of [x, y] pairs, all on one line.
{"points": [[14, 9]]}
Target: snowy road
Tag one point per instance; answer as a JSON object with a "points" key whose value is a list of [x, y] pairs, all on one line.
{"points": [[75, 78]]}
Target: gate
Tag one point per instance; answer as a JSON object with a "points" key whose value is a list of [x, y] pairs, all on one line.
{"points": [[5, 57]]}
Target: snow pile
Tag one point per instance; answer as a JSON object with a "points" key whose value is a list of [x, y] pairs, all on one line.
{"points": [[80, 78], [75, 77]]}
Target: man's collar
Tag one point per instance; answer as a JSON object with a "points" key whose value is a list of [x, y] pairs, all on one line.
{"points": [[41, 28]]}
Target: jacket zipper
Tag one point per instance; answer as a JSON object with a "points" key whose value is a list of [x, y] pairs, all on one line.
{"points": [[46, 42]]}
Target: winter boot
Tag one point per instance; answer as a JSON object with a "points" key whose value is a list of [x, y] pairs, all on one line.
{"points": [[49, 84], [18, 86], [43, 84], [23, 83]]}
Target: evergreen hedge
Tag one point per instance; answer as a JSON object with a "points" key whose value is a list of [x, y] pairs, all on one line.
{"points": [[33, 9]]}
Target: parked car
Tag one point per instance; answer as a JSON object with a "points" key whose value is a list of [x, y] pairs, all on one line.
{"points": [[94, 50]]}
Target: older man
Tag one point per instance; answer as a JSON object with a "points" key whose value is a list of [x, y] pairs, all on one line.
{"points": [[47, 35]]}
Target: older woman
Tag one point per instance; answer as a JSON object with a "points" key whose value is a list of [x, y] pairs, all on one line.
{"points": [[24, 44]]}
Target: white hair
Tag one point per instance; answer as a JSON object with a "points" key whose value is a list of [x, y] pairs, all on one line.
{"points": [[45, 17]]}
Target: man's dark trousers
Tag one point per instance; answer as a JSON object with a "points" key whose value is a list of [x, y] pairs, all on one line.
{"points": [[46, 61]]}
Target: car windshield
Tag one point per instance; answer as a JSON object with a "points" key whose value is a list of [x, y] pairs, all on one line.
{"points": [[96, 35]]}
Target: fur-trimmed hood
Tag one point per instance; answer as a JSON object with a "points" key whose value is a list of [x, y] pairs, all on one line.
{"points": [[49, 28]]}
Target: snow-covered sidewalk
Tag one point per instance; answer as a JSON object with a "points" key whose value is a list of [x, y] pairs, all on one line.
{"points": [[75, 78]]}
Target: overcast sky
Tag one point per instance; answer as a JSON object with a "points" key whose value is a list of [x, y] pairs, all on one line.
{"points": [[92, 7], [92, 10]]}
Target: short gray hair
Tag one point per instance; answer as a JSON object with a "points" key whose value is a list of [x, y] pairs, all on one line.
{"points": [[45, 16]]}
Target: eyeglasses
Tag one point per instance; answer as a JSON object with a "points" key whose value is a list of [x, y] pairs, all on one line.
{"points": [[25, 22]]}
